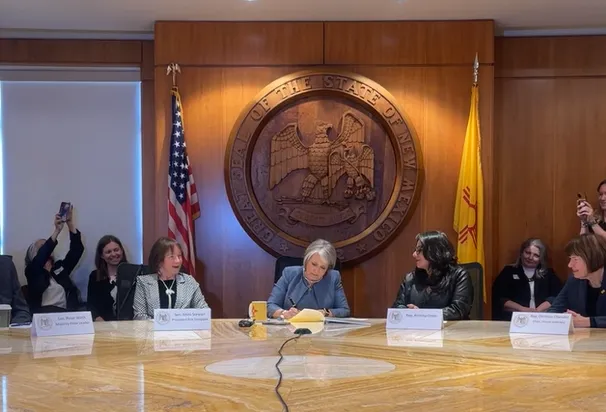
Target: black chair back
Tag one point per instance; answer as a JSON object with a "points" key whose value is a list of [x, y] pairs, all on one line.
{"points": [[287, 261], [476, 272], [126, 280]]}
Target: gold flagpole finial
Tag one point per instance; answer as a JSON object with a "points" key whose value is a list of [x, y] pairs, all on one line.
{"points": [[174, 69], [476, 69]]}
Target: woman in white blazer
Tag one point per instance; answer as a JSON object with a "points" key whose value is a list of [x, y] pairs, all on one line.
{"points": [[167, 287]]}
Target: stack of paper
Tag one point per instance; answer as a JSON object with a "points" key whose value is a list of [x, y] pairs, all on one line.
{"points": [[308, 315], [311, 315]]}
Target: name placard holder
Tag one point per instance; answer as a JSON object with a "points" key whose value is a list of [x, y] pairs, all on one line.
{"points": [[541, 323], [182, 319], [418, 319], [62, 323]]}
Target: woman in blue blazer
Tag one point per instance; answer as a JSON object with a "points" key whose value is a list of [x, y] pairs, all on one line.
{"points": [[584, 294], [315, 285]]}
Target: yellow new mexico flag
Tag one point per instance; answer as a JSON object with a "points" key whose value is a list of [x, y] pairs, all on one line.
{"points": [[469, 206]]}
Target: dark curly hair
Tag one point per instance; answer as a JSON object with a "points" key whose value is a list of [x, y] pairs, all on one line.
{"points": [[440, 254]]}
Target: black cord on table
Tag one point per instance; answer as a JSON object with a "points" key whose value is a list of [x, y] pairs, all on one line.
{"points": [[285, 409]]}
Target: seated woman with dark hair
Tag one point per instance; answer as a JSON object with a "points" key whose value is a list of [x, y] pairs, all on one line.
{"points": [[50, 287], [583, 293], [167, 287], [437, 281], [529, 285], [102, 287]]}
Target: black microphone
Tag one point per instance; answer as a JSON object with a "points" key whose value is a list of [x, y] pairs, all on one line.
{"points": [[124, 282]]}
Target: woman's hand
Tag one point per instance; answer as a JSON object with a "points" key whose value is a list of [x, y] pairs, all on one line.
{"points": [[287, 314], [579, 321], [543, 306], [584, 210], [411, 306], [99, 319], [59, 223], [325, 312]]}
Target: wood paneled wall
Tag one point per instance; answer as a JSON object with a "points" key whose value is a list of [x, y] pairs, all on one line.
{"points": [[550, 139], [427, 66], [109, 53]]}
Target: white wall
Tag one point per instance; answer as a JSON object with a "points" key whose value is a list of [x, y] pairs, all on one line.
{"points": [[77, 142]]}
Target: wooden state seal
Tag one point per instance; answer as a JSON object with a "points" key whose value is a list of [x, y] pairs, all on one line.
{"points": [[323, 155]]}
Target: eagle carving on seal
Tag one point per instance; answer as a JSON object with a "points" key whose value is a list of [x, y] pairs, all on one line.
{"points": [[326, 160]]}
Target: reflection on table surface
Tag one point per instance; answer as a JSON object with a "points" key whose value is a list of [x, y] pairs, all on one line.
{"points": [[467, 366]]}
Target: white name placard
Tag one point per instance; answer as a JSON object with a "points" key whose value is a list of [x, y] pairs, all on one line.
{"points": [[62, 323], [419, 319], [182, 319], [541, 323]]}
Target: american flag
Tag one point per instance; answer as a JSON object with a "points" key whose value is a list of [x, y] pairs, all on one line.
{"points": [[183, 206]]}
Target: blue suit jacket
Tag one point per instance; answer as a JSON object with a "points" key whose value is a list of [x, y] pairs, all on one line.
{"points": [[573, 296], [325, 294]]}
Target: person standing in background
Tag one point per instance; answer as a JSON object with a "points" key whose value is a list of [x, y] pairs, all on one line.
{"points": [[593, 220]]}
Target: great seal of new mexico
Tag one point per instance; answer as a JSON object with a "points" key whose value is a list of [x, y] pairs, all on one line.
{"points": [[323, 155]]}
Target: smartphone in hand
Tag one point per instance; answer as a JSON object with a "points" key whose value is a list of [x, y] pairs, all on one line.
{"points": [[64, 210], [581, 199]]}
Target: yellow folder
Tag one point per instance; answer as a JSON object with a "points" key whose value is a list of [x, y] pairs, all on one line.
{"points": [[308, 315]]}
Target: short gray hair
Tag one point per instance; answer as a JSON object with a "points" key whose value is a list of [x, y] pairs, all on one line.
{"points": [[323, 248]]}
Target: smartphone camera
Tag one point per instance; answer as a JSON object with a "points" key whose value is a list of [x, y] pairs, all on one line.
{"points": [[63, 210]]}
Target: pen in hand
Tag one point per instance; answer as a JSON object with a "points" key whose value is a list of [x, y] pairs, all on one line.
{"points": [[292, 302]]}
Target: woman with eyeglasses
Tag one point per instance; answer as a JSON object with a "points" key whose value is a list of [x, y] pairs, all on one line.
{"points": [[437, 281], [529, 285], [167, 287], [584, 293]]}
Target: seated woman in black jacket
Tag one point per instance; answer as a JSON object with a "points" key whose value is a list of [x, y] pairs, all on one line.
{"points": [[50, 287], [102, 288], [584, 293], [437, 281], [529, 285]]}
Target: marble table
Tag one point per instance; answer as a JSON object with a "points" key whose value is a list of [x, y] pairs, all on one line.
{"points": [[469, 366]]}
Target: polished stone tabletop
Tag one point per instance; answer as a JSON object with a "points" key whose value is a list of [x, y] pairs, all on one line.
{"points": [[468, 366]]}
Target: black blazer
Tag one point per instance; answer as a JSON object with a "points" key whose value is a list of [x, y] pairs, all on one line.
{"points": [[38, 278], [455, 300], [573, 296], [10, 291], [512, 284], [99, 300]]}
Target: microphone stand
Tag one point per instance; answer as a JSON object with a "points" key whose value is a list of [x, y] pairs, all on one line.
{"points": [[139, 270]]}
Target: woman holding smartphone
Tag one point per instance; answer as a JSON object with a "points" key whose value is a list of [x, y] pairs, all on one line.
{"points": [[593, 220], [50, 288]]}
